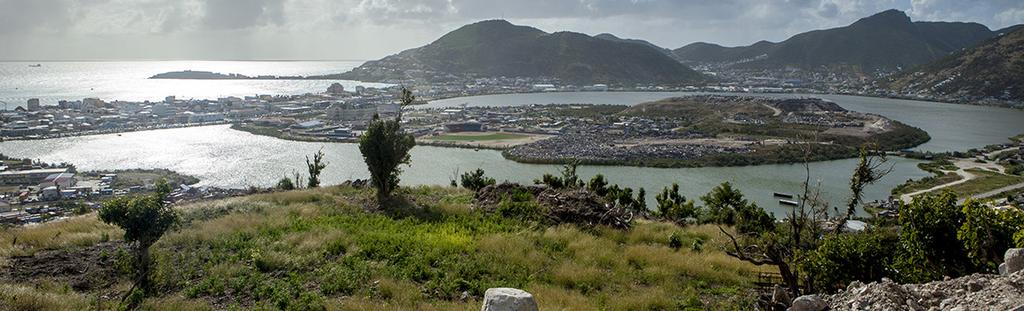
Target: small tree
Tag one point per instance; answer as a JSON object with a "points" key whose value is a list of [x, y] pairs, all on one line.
{"points": [[476, 180], [568, 180], [674, 206], [144, 220], [598, 185], [385, 146], [314, 168]]}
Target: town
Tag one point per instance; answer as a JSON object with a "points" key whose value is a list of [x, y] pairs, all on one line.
{"points": [[34, 192]]}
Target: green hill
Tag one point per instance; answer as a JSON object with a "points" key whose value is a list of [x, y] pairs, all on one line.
{"points": [[994, 69], [884, 41], [497, 48]]}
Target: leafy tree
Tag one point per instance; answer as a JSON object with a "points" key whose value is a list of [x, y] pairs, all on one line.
{"points": [[476, 180], [674, 206], [726, 205], [285, 184], [314, 168], [929, 247], [721, 203], [785, 245], [385, 146], [144, 220]]}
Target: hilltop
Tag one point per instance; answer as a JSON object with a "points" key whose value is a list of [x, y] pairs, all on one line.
{"points": [[325, 249], [497, 48], [885, 41], [993, 69]]}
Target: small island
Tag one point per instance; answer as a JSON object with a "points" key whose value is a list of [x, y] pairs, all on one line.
{"points": [[713, 130], [209, 75]]}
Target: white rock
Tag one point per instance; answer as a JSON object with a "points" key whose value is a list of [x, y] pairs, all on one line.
{"points": [[1014, 260], [808, 303], [508, 299]]}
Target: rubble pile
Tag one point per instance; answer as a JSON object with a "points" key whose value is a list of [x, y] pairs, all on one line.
{"points": [[973, 292], [577, 206]]}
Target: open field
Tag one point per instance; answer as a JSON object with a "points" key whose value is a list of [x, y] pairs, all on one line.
{"points": [[320, 248], [479, 136], [985, 181], [490, 140]]}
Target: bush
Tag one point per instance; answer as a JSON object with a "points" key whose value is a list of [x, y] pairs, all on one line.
{"points": [[285, 184], [476, 180], [844, 258], [929, 247], [987, 233]]}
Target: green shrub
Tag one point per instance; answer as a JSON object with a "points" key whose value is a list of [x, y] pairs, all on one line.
{"points": [[476, 180], [841, 259]]}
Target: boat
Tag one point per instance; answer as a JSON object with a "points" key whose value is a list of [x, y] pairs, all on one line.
{"points": [[789, 202], [35, 65], [782, 195]]}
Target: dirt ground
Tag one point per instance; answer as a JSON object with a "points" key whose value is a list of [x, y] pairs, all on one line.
{"points": [[84, 269]]}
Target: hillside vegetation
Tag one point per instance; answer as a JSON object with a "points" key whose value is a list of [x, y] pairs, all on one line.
{"points": [[321, 248], [497, 48], [994, 68], [884, 41]]}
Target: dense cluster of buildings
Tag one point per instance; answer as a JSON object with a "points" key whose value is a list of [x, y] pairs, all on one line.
{"points": [[94, 116]]}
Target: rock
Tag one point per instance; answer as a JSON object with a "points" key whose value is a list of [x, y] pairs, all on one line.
{"points": [[808, 303], [973, 286], [1014, 260], [508, 299], [1002, 269], [781, 296]]}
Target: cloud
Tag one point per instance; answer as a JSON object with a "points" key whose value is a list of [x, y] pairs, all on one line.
{"points": [[242, 14], [374, 28]]}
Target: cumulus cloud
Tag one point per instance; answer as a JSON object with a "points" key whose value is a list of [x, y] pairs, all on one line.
{"points": [[364, 29]]}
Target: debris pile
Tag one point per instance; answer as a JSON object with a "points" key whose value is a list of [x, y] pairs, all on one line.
{"points": [[577, 206]]}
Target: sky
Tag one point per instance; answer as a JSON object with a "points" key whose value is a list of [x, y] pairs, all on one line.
{"points": [[371, 29]]}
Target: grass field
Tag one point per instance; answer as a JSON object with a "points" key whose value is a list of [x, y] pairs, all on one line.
{"points": [[320, 249], [485, 137], [987, 181], [926, 183]]}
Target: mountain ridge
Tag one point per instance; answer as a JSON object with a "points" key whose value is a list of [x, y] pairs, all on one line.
{"points": [[497, 48], [888, 41], [992, 69]]}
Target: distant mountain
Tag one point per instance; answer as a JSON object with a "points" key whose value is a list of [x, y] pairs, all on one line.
{"points": [[1009, 29], [497, 48], [884, 41], [709, 52], [994, 68], [608, 36]]}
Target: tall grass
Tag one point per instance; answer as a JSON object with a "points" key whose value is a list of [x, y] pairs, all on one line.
{"points": [[76, 231], [319, 248]]}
